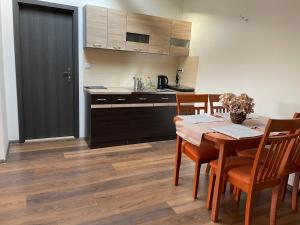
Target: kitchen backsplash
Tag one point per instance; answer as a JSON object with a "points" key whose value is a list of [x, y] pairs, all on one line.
{"points": [[114, 69]]}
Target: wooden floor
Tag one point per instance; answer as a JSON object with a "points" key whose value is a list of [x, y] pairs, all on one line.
{"points": [[63, 182]]}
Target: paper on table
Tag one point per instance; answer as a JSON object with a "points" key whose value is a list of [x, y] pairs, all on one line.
{"points": [[238, 131], [201, 118]]}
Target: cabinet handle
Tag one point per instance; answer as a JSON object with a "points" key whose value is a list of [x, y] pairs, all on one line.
{"points": [[101, 99], [97, 45], [117, 48], [121, 99], [143, 99], [164, 98]]}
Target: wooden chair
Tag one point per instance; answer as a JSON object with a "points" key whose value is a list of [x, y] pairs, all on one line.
{"points": [[268, 171], [213, 99], [293, 167], [199, 154]]}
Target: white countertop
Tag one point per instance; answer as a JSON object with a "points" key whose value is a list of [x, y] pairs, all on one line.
{"points": [[109, 90], [123, 90]]}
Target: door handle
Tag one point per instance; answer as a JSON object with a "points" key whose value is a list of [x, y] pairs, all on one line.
{"points": [[68, 74]]}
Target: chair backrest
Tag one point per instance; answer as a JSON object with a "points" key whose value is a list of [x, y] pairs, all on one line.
{"points": [[294, 160], [274, 152], [214, 108], [190, 104]]}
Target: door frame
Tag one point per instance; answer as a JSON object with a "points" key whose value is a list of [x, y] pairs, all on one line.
{"points": [[16, 15]]}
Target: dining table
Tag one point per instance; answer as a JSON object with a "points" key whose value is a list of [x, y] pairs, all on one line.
{"points": [[195, 133]]}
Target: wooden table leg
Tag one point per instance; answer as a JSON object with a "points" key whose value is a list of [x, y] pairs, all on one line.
{"points": [[218, 183], [177, 160]]}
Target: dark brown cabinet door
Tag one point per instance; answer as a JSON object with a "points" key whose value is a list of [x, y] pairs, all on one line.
{"points": [[152, 124], [109, 126], [46, 69]]}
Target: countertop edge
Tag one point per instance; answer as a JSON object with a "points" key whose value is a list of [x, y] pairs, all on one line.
{"points": [[108, 91]]}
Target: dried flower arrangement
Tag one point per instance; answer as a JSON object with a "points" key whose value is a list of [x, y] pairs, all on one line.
{"points": [[238, 106]]}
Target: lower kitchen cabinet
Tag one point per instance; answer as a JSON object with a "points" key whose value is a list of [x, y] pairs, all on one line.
{"points": [[152, 124], [133, 122]]}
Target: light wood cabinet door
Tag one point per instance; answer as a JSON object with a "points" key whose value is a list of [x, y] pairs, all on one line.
{"points": [[116, 29], [138, 23], [179, 51], [137, 47], [96, 27], [181, 30], [160, 34]]}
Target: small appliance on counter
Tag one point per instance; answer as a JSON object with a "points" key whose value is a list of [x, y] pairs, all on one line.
{"points": [[162, 82]]}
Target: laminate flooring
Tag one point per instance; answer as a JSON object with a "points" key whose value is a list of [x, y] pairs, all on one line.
{"points": [[63, 182]]}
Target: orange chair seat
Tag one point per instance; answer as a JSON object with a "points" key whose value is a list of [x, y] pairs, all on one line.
{"points": [[249, 153], [232, 162], [242, 173], [205, 152]]}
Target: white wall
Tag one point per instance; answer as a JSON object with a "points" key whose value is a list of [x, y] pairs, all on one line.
{"points": [[3, 124], [165, 8], [260, 57]]}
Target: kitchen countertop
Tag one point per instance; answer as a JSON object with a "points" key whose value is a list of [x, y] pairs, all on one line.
{"points": [[124, 90]]}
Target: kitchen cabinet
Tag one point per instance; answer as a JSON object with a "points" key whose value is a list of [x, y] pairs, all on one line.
{"points": [[179, 51], [138, 23], [127, 31], [95, 26], [160, 33], [116, 29], [181, 30], [137, 47], [118, 119], [180, 38]]}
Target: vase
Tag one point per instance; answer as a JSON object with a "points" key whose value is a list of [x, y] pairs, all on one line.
{"points": [[238, 118]]}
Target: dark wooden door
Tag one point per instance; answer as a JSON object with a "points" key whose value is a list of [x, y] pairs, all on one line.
{"points": [[46, 48]]}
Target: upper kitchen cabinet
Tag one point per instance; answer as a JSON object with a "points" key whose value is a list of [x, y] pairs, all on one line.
{"points": [[138, 32], [160, 34], [138, 23], [127, 31], [116, 29], [181, 30], [95, 26], [180, 38]]}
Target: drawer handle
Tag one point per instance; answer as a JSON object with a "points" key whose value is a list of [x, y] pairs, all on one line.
{"points": [[164, 98], [121, 99], [101, 99], [143, 99]]}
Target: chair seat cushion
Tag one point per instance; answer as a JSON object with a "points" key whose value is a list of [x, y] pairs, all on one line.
{"points": [[241, 173], [205, 152], [249, 153], [232, 162]]}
